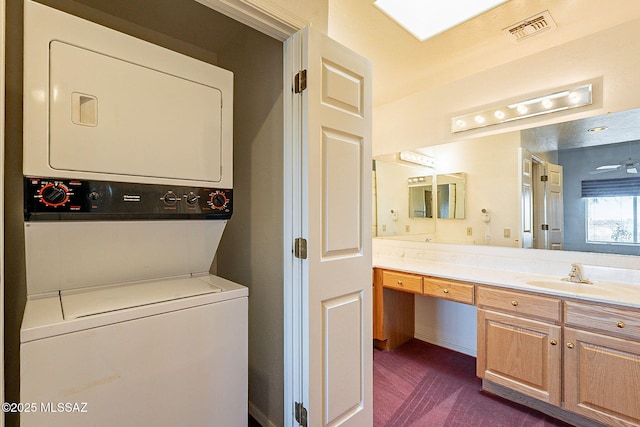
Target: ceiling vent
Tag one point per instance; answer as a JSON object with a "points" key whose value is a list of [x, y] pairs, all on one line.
{"points": [[531, 26]]}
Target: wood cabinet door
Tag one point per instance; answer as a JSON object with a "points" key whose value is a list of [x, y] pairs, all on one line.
{"points": [[602, 377], [521, 354]]}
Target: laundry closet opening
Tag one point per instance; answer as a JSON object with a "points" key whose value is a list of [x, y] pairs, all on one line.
{"points": [[250, 251]]}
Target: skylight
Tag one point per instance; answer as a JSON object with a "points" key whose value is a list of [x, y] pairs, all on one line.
{"points": [[426, 18]]}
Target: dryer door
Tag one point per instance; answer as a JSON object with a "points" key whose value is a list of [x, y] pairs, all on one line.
{"points": [[115, 117]]}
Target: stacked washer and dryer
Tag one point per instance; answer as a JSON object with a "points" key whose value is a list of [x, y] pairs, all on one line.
{"points": [[127, 191]]}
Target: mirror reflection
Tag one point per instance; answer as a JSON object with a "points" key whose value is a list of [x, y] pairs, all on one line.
{"points": [[421, 197], [532, 183], [450, 195]]}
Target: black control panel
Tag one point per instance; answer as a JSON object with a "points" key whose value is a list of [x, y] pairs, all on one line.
{"points": [[52, 199]]}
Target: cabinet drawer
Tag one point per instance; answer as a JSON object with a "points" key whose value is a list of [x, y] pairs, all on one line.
{"points": [[402, 281], [519, 302], [618, 321], [448, 289]]}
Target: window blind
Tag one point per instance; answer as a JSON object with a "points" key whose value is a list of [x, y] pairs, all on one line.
{"points": [[611, 187]]}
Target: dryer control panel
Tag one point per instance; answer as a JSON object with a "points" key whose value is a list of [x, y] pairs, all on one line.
{"points": [[52, 199]]}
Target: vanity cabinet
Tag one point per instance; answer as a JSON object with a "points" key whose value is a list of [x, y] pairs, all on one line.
{"points": [[519, 342], [394, 302], [405, 282], [602, 363], [394, 312], [576, 360], [453, 290], [595, 374]]}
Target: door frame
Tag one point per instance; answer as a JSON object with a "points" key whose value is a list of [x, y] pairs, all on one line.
{"points": [[281, 25], [260, 15]]}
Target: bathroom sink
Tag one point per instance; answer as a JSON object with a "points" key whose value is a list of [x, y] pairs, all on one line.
{"points": [[551, 284], [597, 288]]}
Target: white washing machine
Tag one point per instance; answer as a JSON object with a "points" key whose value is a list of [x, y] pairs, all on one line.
{"points": [[127, 191]]}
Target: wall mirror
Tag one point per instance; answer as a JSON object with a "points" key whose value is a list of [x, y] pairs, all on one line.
{"points": [[492, 179], [450, 195], [420, 197]]}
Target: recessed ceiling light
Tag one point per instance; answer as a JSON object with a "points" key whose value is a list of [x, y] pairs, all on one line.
{"points": [[597, 129], [424, 19]]}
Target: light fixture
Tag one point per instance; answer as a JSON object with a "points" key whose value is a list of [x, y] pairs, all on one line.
{"points": [[424, 19], [562, 100], [597, 129], [417, 159]]}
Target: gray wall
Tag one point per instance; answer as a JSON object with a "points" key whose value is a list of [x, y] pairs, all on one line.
{"points": [[576, 164], [15, 285], [251, 249]]}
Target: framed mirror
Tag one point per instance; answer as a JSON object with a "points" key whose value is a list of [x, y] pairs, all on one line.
{"points": [[451, 195], [420, 197]]}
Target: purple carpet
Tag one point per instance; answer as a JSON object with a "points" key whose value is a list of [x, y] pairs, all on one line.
{"points": [[423, 385]]}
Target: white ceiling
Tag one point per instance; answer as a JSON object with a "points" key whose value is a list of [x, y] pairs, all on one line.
{"points": [[403, 65]]}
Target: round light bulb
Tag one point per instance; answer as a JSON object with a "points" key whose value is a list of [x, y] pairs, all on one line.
{"points": [[574, 97]]}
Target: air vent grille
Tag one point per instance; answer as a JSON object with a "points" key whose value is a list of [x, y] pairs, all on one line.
{"points": [[531, 26]]}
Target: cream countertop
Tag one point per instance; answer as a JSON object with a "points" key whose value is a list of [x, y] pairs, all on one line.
{"points": [[462, 262]]}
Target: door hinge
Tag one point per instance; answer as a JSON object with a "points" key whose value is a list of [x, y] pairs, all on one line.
{"points": [[301, 414], [544, 178], [545, 227], [300, 248], [300, 81]]}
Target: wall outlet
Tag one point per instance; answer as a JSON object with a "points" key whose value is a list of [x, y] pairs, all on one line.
{"points": [[407, 228], [384, 227], [469, 231], [507, 233]]}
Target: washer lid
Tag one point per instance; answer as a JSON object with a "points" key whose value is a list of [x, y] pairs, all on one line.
{"points": [[104, 299]]}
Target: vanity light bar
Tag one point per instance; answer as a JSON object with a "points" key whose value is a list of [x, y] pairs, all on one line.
{"points": [[557, 101], [418, 159]]}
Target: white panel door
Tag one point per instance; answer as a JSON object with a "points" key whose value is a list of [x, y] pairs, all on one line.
{"points": [[554, 206], [526, 180], [551, 230], [335, 204]]}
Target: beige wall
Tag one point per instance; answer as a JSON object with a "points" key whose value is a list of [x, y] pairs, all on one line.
{"points": [[491, 168], [423, 118], [315, 12]]}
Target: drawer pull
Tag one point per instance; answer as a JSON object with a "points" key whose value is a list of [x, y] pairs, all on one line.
{"points": [[400, 282], [514, 303], [570, 345], [553, 342], [446, 291], [620, 324]]}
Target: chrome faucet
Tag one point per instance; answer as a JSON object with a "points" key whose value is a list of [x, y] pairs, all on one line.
{"points": [[575, 275]]}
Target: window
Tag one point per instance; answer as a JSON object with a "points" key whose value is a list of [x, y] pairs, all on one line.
{"points": [[612, 220], [612, 210]]}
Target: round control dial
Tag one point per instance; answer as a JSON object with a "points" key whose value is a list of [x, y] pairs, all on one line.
{"points": [[54, 194], [218, 200], [170, 198], [191, 198]]}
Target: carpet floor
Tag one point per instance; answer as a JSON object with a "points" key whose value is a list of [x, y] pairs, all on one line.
{"points": [[423, 385]]}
